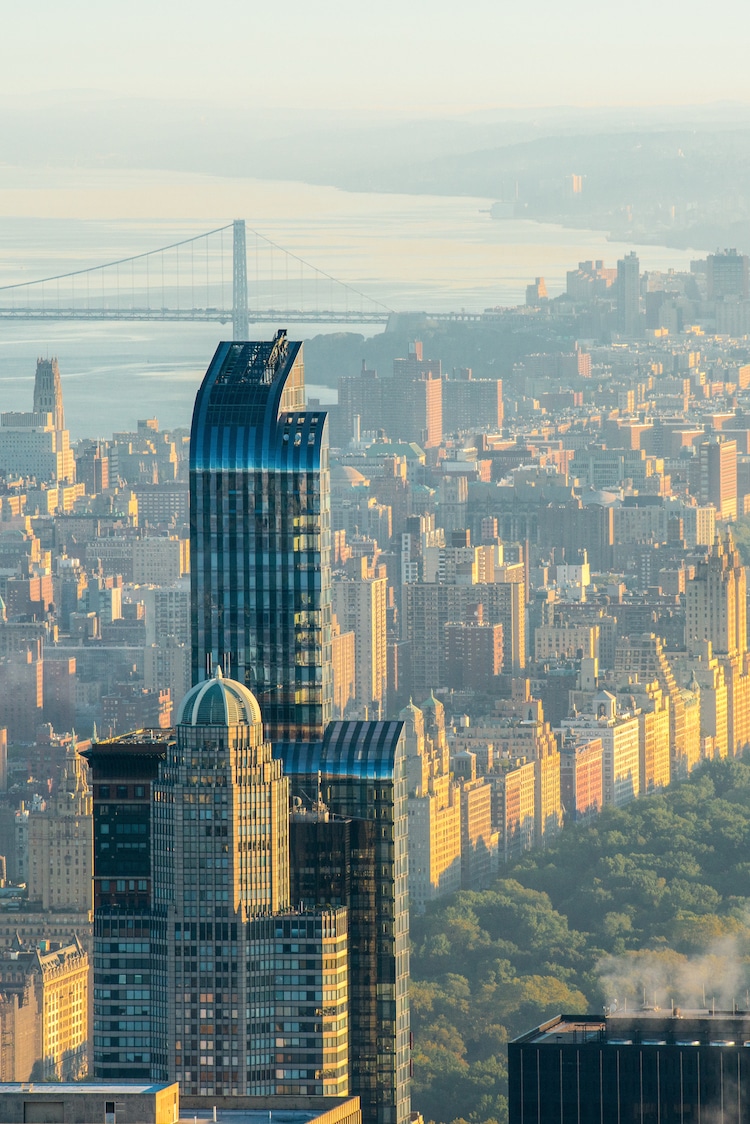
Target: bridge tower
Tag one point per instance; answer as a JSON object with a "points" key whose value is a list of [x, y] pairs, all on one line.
{"points": [[240, 323]]}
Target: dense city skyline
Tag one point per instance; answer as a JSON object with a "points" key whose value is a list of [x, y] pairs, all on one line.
{"points": [[333, 667]]}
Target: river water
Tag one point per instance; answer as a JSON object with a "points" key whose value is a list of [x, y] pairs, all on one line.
{"points": [[411, 252]]}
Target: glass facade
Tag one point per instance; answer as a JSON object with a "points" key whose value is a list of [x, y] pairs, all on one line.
{"points": [[260, 537], [298, 1005], [359, 769]]}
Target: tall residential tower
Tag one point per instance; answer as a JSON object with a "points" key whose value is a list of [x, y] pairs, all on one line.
{"points": [[260, 535]]}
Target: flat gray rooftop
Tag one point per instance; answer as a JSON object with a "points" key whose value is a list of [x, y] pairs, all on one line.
{"points": [[248, 1116], [100, 1089]]}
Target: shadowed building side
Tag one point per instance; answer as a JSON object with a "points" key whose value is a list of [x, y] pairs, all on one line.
{"points": [[357, 771]]}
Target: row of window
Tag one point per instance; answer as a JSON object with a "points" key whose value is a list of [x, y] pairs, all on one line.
{"points": [[122, 791], [120, 885]]}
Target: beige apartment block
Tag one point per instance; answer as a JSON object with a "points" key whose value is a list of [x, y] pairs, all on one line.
{"points": [[716, 610], [343, 661], [703, 672], [552, 641], [44, 1024], [620, 738], [60, 863], [434, 805], [360, 606], [514, 786]]}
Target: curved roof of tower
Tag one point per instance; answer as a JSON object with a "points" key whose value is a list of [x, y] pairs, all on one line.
{"points": [[219, 702], [365, 750]]}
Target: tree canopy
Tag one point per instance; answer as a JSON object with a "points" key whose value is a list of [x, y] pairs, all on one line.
{"points": [[649, 902]]}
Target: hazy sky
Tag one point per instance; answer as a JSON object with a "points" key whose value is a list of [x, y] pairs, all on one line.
{"points": [[397, 55]]}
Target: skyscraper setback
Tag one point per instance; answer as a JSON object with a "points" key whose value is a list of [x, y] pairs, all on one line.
{"points": [[261, 613]]}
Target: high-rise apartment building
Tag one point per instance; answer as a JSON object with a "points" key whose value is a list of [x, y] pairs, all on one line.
{"points": [[332, 860], [716, 610], [123, 772], [408, 406], [167, 613], [716, 600], [429, 606], [413, 402], [167, 665], [473, 652], [92, 468], [649, 703], [628, 287], [229, 1012], [728, 275], [478, 839], [471, 404], [260, 535], [717, 463], [342, 666], [360, 606]]}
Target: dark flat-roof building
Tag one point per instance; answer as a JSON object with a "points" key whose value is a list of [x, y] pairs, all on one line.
{"points": [[645, 1067], [123, 771]]}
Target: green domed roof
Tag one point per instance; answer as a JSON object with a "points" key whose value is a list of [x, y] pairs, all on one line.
{"points": [[219, 702]]}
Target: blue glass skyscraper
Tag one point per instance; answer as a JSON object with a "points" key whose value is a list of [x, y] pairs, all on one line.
{"points": [[261, 610], [260, 535]]}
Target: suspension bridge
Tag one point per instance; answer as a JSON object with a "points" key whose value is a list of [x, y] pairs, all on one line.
{"points": [[204, 278]]}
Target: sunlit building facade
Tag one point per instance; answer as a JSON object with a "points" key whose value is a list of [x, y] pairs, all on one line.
{"points": [[249, 997]]}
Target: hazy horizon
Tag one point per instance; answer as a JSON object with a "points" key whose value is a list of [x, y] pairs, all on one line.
{"points": [[424, 57]]}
